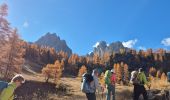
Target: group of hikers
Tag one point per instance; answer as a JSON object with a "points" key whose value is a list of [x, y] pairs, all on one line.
{"points": [[90, 84]]}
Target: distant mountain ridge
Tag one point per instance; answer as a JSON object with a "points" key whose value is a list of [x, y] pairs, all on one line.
{"points": [[52, 40], [102, 47]]}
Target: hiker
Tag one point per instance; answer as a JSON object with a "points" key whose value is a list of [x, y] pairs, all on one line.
{"points": [[139, 81], [168, 76], [87, 86], [8, 92], [96, 84], [109, 86], [113, 83]]}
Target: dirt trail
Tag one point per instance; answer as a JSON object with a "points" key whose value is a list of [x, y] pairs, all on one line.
{"points": [[76, 94]]}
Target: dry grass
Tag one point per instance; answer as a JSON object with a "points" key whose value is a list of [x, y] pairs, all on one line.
{"points": [[74, 92], [159, 84]]}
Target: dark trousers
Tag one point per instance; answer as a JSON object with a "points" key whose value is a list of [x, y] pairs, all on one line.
{"points": [[138, 90], [91, 96]]}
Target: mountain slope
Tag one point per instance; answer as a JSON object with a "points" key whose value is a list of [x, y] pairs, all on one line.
{"points": [[52, 40]]}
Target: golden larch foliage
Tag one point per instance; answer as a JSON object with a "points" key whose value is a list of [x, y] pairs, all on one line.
{"points": [[53, 71], [102, 79], [126, 72], [47, 72], [152, 71], [82, 70], [158, 74], [119, 72], [115, 67], [163, 77]]}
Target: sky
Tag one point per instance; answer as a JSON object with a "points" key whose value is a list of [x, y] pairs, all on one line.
{"points": [[139, 24]]}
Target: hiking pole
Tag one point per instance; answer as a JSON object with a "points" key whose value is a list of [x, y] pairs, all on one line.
{"points": [[102, 93], [99, 95]]}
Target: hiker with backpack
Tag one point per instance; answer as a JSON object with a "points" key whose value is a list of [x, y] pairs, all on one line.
{"points": [[113, 83], [87, 86], [110, 85], [139, 80], [7, 92], [96, 84], [90, 84]]}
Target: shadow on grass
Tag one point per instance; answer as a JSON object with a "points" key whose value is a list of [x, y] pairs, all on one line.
{"points": [[34, 90]]}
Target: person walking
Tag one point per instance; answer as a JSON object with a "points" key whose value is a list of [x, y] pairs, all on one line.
{"points": [[139, 87], [8, 93], [109, 85], [113, 83], [87, 86], [96, 84]]}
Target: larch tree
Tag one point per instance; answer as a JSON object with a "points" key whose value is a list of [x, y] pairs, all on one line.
{"points": [[14, 60], [163, 77], [158, 74], [96, 59], [58, 70], [126, 72], [119, 73], [48, 72], [11, 56], [53, 71], [4, 24], [82, 70], [152, 71], [5, 30], [115, 67], [106, 58]]}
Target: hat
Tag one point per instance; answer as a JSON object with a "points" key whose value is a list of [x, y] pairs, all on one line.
{"points": [[112, 71], [141, 70]]}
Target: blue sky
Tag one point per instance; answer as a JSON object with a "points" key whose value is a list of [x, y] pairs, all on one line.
{"points": [[82, 23]]}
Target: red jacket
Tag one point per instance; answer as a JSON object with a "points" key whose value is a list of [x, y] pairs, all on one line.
{"points": [[113, 78]]}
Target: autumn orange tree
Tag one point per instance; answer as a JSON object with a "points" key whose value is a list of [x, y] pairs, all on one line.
{"points": [[82, 70], [152, 71], [4, 24], [96, 59], [102, 79], [119, 72], [163, 77], [58, 70], [4, 31], [47, 72], [53, 71], [126, 73], [115, 67], [14, 59], [12, 56], [158, 74]]}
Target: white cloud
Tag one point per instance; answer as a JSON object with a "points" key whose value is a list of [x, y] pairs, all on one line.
{"points": [[90, 52], [141, 48], [25, 24], [96, 45], [166, 42], [130, 43]]}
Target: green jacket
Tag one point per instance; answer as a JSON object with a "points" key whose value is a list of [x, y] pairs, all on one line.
{"points": [[7, 93], [107, 77], [142, 78]]}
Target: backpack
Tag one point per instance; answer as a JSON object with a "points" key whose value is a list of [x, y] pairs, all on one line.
{"points": [[113, 78], [134, 78], [3, 85], [85, 85]]}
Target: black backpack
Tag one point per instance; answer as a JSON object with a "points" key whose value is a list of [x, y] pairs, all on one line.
{"points": [[86, 79]]}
